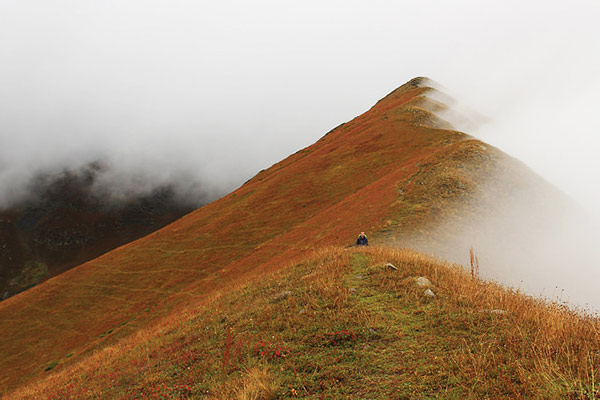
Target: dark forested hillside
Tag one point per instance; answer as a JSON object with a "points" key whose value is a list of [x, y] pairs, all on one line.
{"points": [[66, 220]]}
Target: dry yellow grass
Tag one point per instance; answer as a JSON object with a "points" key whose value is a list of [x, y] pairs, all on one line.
{"points": [[560, 345], [257, 384], [353, 328]]}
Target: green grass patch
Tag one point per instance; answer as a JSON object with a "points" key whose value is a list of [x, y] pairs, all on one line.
{"points": [[51, 365]]}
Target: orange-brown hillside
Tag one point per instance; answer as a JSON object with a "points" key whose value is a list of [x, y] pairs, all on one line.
{"points": [[395, 172]]}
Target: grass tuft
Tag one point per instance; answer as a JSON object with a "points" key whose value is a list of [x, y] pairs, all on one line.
{"points": [[257, 384]]}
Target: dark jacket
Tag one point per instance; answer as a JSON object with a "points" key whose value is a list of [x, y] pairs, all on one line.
{"points": [[362, 240]]}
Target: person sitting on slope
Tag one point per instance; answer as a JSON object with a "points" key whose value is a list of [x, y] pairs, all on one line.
{"points": [[362, 240]]}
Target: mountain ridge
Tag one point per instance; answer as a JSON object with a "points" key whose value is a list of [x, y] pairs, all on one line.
{"points": [[352, 179]]}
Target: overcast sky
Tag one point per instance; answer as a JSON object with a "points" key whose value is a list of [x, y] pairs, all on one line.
{"points": [[215, 91]]}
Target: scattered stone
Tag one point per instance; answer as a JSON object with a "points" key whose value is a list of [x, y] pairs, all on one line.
{"points": [[391, 266], [359, 277], [282, 296], [372, 330], [423, 282], [429, 293], [302, 311], [352, 289]]}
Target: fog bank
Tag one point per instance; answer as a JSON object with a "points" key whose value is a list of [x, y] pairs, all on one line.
{"points": [[526, 233], [217, 91]]}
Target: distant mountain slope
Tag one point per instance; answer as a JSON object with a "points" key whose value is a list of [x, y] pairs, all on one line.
{"points": [[396, 172], [65, 222]]}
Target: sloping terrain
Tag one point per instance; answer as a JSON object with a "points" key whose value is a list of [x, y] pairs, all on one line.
{"points": [[342, 324], [65, 222], [395, 172]]}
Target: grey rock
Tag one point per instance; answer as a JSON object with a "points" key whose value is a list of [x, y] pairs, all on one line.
{"points": [[423, 282], [429, 293]]}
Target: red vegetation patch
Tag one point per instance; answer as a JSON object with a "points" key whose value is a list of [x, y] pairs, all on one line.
{"points": [[270, 351], [340, 337], [232, 353]]}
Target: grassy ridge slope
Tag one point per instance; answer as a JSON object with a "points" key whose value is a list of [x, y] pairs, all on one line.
{"points": [[360, 176], [341, 324], [321, 195]]}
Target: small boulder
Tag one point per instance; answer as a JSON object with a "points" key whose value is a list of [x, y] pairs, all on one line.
{"points": [[429, 293], [423, 282]]}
